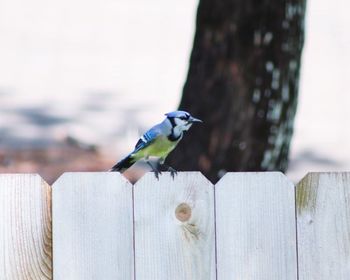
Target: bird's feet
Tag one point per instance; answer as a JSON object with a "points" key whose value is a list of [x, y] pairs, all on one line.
{"points": [[157, 173], [172, 171], [161, 166]]}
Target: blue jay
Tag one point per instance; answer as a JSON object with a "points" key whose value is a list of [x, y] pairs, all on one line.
{"points": [[158, 142]]}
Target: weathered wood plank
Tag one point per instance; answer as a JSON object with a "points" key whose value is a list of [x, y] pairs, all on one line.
{"points": [[323, 204], [174, 227], [25, 227], [92, 227], [255, 227]]}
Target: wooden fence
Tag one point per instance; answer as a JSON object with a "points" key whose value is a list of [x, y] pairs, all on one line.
{"points": [[254, 226]]}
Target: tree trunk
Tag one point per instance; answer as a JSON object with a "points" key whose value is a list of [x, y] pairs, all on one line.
{"points": [[243, 82]]}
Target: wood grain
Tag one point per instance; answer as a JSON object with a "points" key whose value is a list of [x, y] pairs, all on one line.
{"points": [[25, 227], [174, 227], [323, 204], [255, 227], [92, 227]]}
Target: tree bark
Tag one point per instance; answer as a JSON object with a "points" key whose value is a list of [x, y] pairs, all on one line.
{"points": [[243, 82]]}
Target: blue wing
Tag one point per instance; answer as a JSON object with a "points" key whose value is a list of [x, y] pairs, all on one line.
{"points": [[146, 139]]}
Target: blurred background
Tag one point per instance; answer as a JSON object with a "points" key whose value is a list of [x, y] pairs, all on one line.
{"points": [[80, 81]]}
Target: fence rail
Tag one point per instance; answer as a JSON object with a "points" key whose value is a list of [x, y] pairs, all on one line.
{"points": [[254, 226]]}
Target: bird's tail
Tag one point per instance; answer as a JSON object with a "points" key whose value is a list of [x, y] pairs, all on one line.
{"points": [[124, 164]]}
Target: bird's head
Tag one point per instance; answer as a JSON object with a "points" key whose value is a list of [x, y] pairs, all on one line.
{"points": [[181, 120]]}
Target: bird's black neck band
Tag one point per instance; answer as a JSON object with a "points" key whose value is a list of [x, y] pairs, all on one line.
{"points": [[172, 121], [173, 138]]}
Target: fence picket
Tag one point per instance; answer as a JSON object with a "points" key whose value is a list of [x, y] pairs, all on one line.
{"points": [[255, 227], [25, 227], [323, 203], [174, 227], [92, 227]]}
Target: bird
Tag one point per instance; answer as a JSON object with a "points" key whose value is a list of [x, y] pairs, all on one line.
{"points": [[158, 142]]}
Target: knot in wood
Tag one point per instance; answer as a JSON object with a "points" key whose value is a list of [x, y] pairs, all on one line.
{"points": [[183, 212]]}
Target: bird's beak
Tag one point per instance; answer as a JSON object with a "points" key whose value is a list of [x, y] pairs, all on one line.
{"points": [[192, 120]]}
